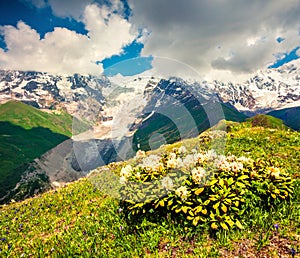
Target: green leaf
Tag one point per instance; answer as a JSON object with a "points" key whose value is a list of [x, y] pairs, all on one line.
{"points": [[214, 181], [241, 185], [206, 202], [178, 210], [204, 211], [277, 191], [191, 213], [195, 221], [238, 224], [224, 226], [221, 182], [243, 177], [230, 222], [216, 205], [199, 191], [214, 226], [184, 209], [224, 208], [162, 203], [198, 208], [230, 181]]}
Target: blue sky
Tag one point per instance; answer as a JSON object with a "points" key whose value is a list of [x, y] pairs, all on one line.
{"points": [[94, 37], [43, 21]]}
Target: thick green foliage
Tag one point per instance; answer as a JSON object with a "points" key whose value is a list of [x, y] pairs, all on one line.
{"points": [[202, 186]]}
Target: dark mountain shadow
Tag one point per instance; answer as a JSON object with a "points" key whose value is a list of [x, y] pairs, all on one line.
{"points": [[19, 147], [290, 116]]}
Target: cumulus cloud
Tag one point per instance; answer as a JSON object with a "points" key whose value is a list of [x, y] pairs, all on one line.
{"points": [[63, 51], [224, 36]]}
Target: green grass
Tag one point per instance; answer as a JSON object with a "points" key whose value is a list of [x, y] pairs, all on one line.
{"points": [[28, 117], [81, 221], [267, 121], [25, 134], [290, 116]]}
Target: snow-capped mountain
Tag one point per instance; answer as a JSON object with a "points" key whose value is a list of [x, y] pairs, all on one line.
{"points": [[267, 90], [107, 100], [48, 91]]}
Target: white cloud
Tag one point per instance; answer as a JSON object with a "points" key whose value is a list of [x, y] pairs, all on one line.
{"points": [[63, 51], [225, 37], [66, 8]]}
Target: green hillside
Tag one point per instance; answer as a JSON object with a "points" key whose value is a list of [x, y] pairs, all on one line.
{"points": [[249, 206], [28, 117], [267, 121], [25, 134], [290, 116], [159, 126]]}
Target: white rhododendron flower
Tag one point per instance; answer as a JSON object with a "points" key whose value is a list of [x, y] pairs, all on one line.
{"points": [[198, 174], [211, 154], [123, 180], [174, 163], [182, 192], [152, 162], [245, 159], [222, 164], [140, 154], [194, 151], [200, 158], [236, 166], [189, 160], [231, 158], [275, 172], [138, 175], [182, 150], [167, 183], [172, 155], [126, 172]]}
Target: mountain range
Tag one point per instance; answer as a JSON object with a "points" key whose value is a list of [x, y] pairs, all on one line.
{"points": [[120, 115]]}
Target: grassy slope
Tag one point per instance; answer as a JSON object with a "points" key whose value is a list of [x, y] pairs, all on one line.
{"points": [[28, 117], [80, 220], [159, 124], [25, 134], [267, 121], [290, 116]]}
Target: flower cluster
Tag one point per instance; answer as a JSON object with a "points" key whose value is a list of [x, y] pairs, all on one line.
{"points": [[198, 174], [125, 173], [182, 192], [174, 161], [230, 163], [193, 183], [274, 172], [167, 183], [152, 162]]}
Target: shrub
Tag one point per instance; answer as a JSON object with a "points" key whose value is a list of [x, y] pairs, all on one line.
{"points": [[201, 186]]}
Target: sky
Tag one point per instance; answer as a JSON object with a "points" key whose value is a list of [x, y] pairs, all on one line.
{"points": [[218, 39]]}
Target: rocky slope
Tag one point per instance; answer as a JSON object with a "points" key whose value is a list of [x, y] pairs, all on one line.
{"points": [[47, 91]]}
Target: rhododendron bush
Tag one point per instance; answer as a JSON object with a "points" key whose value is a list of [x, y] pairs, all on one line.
{"points": [[201, 186]]}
